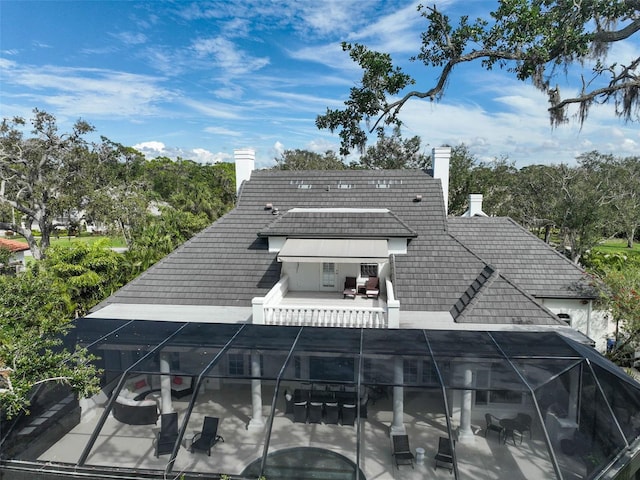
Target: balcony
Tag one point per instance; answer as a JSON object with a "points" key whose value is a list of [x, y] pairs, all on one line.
{"points": [[325, 309]]}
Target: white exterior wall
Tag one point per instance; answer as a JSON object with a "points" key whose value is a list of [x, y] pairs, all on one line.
{"points": [[584, 318], [397, 246], [305, 277]]}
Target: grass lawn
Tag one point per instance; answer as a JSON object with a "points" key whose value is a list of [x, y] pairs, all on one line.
{"points": [[617, 245], [64, 240]]}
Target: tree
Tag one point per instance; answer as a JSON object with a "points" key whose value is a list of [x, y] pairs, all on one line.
{"points": [[305, 160], [394, 152], [535, 40], [42, 177], [89, 272], [35, 315]]}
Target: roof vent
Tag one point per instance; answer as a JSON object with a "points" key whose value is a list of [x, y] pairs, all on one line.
{"points": [[418, 198], [268, 206], [304, 186], [275, 211]]}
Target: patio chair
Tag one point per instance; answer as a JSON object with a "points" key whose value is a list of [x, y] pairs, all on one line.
{"points": [[315, 412], [493, 425], [401, 450], [168, 435], [348, 414], [349, 288], [331, 413], [208, 437], [444, 457], [524, 424], [371, 287], [300, 412]]}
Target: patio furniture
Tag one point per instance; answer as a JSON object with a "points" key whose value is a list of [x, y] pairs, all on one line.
{"points": [[181, 386], [401, 450], [315, 412], [348, 414], [524, 424], [135, 412], [372, 289], [444, 457], [300, 412], [349, 288], [331, 413], [493, 425], [510, 426], [208, 437], [168, 434], [288, 399]]}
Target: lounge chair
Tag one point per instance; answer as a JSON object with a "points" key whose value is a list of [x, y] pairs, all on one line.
{"points": [[168, 434], [372, 288], [402, 451], [349, 288], [206, 439], [493, 425], [444, 457]]}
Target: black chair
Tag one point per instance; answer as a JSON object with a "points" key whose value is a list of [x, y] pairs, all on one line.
{"points": [[401, 450], [208, 437], [444, 457], [348, 414], [331, 413], [493, 425], [300, 412], [315, 412], [524, 424], [168, 434]]}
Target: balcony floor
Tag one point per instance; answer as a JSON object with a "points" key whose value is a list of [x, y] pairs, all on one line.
{"points": [[131, 446], [331, 299]]}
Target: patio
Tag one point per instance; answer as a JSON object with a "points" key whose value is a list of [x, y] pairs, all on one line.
{"points": [[427, 383], [133, 445]]}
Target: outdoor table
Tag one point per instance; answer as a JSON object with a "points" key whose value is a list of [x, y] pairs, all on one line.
{"points": [[510, 425]]}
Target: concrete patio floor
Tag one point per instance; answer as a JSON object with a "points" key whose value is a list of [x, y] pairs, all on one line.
{"points": [[132, 446]]}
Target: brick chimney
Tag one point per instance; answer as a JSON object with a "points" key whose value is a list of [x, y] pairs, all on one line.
{"points": [[440, 157], [245, 159]]}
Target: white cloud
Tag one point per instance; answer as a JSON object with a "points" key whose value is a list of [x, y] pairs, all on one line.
{"points": [[152, 146], [131, 38], [223, 131], [227, 56], [89, 92]]}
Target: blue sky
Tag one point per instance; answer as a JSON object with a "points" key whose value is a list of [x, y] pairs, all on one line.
{"points": [[199, 79]]}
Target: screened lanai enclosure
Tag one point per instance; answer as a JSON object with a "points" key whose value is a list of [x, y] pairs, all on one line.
{"points": [[325, 403]]}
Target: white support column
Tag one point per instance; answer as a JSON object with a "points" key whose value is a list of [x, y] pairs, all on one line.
{"points": [[256, 422], [397, 425], [465, 434], [574, 391], [165, 383]]}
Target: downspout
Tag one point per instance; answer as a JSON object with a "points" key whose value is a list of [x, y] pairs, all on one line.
{"points": [[589, 307]]}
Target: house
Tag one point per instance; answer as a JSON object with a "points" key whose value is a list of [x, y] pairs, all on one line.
{"points": [[18, 250], [330, 311]]}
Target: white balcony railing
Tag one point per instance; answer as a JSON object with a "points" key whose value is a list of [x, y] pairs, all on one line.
{"points": [[280, 307], [318, 316]]}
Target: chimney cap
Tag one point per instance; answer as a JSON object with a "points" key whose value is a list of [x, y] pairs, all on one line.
{"points": [[417, 198]]}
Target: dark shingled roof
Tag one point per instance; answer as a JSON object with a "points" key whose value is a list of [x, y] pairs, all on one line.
{"points": [[228, 264], [520, 256], [332, 223]]}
